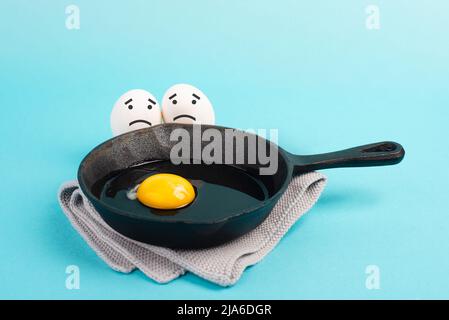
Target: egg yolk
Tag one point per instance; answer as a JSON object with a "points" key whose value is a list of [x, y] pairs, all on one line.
{"points": [[165, 191]]}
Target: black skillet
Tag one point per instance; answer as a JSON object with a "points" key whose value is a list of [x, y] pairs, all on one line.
{"points": [[206, 229]]}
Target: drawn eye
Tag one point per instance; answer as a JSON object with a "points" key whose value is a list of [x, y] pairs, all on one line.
{"points": [[193, 101], [150, 107], [130, 107], [175, 102]]}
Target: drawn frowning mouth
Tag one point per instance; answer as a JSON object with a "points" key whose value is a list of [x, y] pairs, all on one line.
{"points": [[141, 121], [184, 116]]}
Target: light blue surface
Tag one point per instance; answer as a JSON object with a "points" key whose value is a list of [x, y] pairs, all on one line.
{"points": [[309, 68]]}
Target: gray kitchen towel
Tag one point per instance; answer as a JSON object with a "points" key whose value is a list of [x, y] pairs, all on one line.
{"points": [[222, 265]]}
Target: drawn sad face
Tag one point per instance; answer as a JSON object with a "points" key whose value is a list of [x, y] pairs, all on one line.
{"points": [[136, 109], [184, 103]]}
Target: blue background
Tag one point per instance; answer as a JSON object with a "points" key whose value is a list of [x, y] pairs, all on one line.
{"points": [[309, 68]]}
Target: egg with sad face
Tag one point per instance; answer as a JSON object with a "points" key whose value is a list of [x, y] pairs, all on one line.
{"points": [[183, 103], [136, 109]]}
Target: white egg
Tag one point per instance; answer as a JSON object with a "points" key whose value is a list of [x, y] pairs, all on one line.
{"points": [[183, 103], [136, 109]]}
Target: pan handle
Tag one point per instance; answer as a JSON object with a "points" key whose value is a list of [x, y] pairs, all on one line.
{"points": [[376, 154]]}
